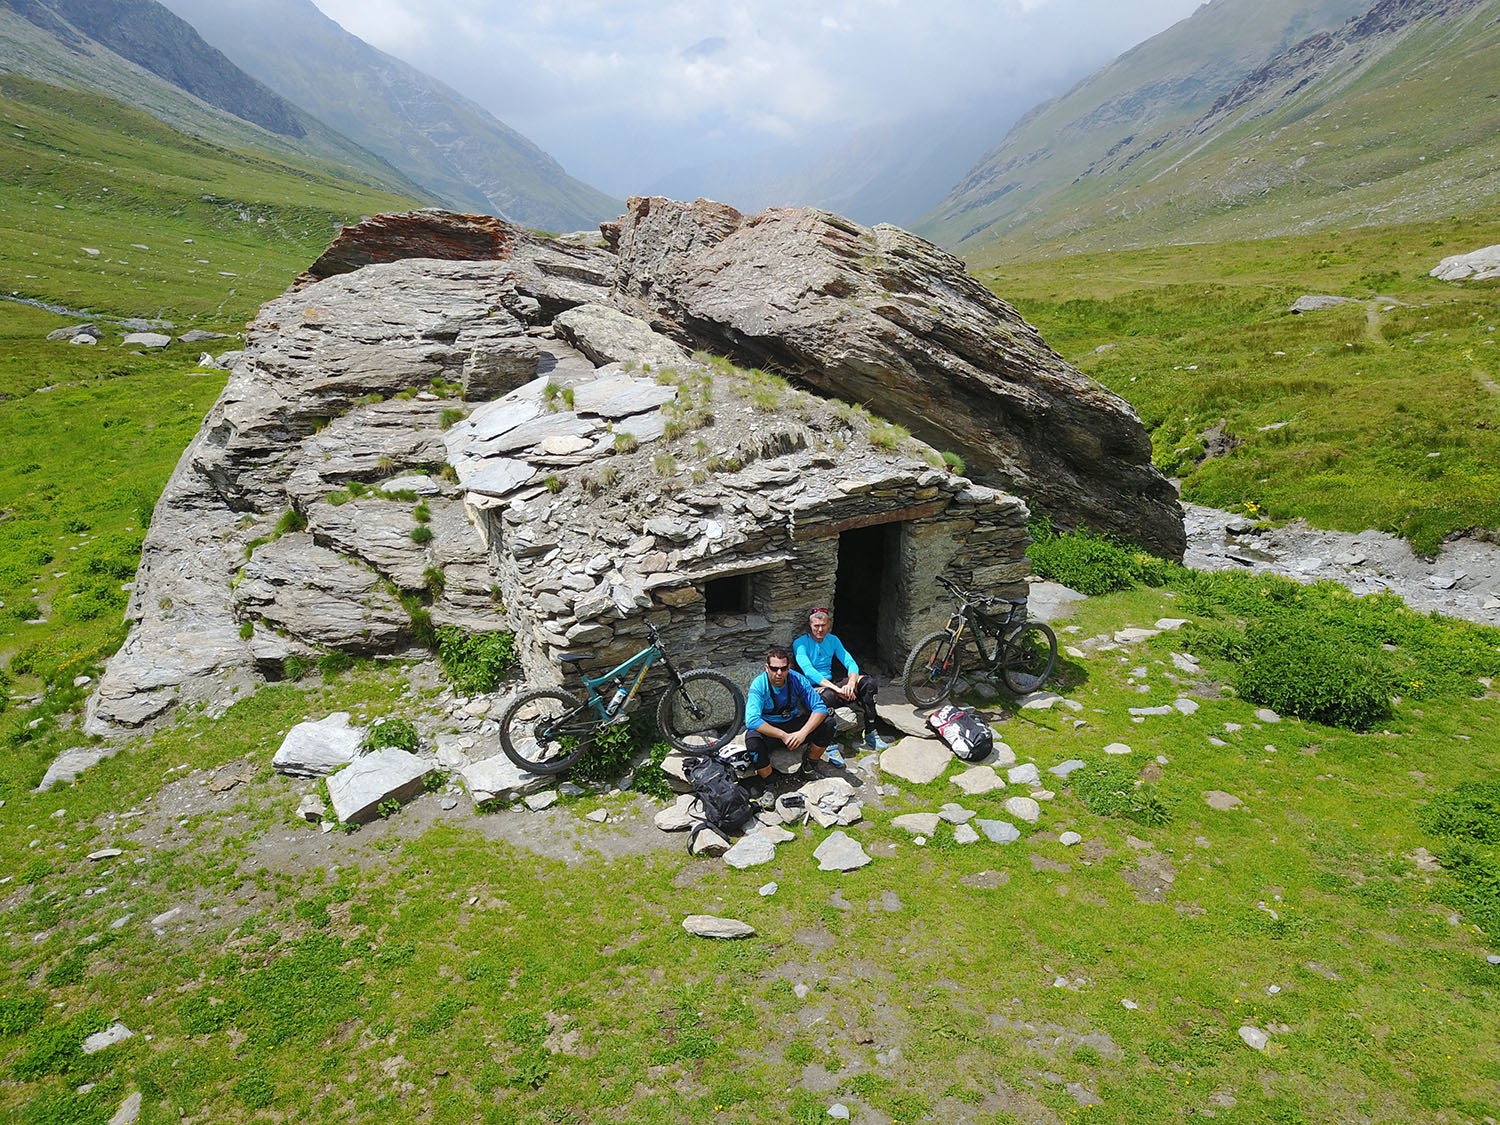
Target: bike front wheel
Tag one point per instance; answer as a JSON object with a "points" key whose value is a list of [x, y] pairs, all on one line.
{"points": [[701, 712], [1029, 659], [546, 730], [931, 669]]}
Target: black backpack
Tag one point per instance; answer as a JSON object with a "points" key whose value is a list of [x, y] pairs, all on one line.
{"points": [[727, 808], [964, 732]]}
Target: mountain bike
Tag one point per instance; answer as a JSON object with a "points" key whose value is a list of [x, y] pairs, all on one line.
{"points": [[1023, 653], [546, 730]]}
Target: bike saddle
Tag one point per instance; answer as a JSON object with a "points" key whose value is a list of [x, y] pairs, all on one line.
{"points": [[574, 657]]}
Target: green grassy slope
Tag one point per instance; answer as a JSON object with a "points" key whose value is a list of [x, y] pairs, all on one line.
{"points": [[1384, 413], [1158, 86], [26, 49], [223, 230]]}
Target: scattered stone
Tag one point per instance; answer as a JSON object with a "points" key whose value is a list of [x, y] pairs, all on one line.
{"points": [[1042, 795], [907, 719], [1492, 958], [1134, 635], [598, 816], [998, 831], [918, 760], [1266, 715], [311, 808], [923, 823], [116, 1032], [679, 816], [978, 781], [1164, 709], [166, 918], [840, 852], [709, 842], [1129, 1005], [750, 851], [1002, 755], [1186, 706], [1025, 774], [537, 802], [316, 749], [387, 774], [105, 853], [1218, 799], [955, 813], [448, 804], [1044, 700], [965, 834], [711, 926], [129, 1111], [1068, 839], [775, 833], [768, 890], [1117, 748], [1023, 808], [147, 340], [499, 777], [1254, 1037], [839, 1111]]}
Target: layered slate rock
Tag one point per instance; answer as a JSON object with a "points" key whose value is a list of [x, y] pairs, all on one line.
{"points": [[883, 317]]}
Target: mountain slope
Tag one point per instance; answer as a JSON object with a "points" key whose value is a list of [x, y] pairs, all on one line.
{"points": [[1163, 84], [37, 41], [1390, 118], [443, 141]]}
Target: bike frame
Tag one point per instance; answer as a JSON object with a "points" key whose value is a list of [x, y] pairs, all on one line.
{"points": [[984, 625], [641, 662]]}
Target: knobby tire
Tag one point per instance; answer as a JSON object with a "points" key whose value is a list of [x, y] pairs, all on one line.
{"points": [[1029, 659], [931, 669], [702, 713], [546, 730]]}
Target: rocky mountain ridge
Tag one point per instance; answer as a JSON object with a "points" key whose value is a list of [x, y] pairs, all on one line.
{"points": [[455, 149]]}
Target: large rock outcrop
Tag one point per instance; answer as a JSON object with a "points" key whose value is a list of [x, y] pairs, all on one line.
{"points": [[881, 317], [475, 428]]}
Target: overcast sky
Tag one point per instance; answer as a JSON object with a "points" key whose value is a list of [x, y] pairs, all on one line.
{"points": [[623, 91]]}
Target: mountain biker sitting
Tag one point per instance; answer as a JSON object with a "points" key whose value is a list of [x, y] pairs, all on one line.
{"points": [[782, 707], [836, 675]]}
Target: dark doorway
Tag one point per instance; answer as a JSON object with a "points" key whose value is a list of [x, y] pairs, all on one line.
{"points": [[863, 590]]}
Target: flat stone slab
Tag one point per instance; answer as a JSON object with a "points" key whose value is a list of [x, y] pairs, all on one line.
{"points": [[494, 777], [979, 780], [709, 842], [1023, 808], [1266, 715], [679, 816], [1218, 799], [500, 417], [918, 760], [1063, 769], [918, 823], [495, 476], [147, 340], [907, 719], [1254, 1038], [384, 775], [956, 814], [1186, 706], [1069, 839], [1164, 709], [621, 396], [965, 834], [751, 851], [116, 1032], [998, 831], [1117, 748], [316, 749], [1025, 774], [712, 926], [775, 833], [536, 431], [840, 852], [420, 483]]}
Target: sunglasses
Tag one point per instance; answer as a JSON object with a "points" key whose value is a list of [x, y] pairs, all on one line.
{"points": [[777, 667]]}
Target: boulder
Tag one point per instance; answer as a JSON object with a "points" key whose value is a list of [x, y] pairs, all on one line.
{"points": [[151, 340], [840, 852], [358, 790], [116, 1032], [317, 748], [751, 851], [712, 926], [882, 317], [1476, 265], [494, 777], [998, 831], [606, 335], [73, 330]]}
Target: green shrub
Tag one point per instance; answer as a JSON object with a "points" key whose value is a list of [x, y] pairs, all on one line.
{"points": [[954, 462], [294, 667], [650, 778], [434, 581], [450, 418], [20, 1013], [1473, 876], [613, 751], [1300, 666], [254, 1091], [397, 733], [476, 663], [1092, 564], [421, 534], [335, 663]]}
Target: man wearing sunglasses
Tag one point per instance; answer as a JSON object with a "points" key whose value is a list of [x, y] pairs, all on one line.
{"points": [[836, 676], [781, 708]]}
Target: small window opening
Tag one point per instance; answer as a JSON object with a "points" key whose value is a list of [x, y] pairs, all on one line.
{"points": [[724, 596]]}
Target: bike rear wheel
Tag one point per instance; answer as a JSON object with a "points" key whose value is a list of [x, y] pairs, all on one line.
{"points": [[702, 712], [546, 730], [931, 669], [1029, 659]]}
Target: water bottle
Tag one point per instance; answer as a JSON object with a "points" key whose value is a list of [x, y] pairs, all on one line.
{"points": [[616, 700]]}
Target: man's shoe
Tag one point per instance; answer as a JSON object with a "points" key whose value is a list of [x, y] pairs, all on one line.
{"points": [[834, 756], [875, 742]]}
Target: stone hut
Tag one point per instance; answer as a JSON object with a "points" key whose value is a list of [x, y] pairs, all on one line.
{"points": [[719, 505]]}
